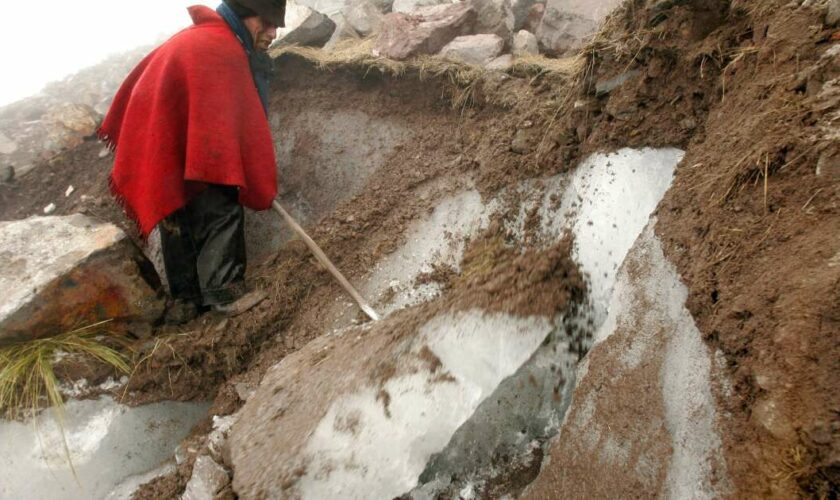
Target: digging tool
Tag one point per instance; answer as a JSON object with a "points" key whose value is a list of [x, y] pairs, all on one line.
{"points": [[322, 258]]}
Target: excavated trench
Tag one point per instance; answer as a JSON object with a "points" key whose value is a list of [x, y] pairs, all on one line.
{"points": [[417, 183]]}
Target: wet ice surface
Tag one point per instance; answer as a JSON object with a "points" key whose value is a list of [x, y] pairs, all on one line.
{"points": [[385, 454], [108, 443], [447, 431]]}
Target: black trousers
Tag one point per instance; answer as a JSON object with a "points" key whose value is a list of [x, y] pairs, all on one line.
{"points": [[203, 247]]}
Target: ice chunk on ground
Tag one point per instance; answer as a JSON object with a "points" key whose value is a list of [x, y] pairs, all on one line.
{"points": [[107, 443]]}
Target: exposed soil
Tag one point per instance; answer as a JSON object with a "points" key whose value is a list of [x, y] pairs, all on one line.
{"points": [[750, 224]]}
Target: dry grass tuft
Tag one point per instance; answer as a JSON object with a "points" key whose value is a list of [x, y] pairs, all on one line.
{"points": [[27, 379]]}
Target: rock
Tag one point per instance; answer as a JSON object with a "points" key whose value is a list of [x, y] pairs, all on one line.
{"points": [[314, 30], [766, 414], [363, 17], [60, 273], [828, 165], [69, 191], [217, 440], [409, 6], [425, 31], [473, 49], [566, 24], [832, 17], [49, 209], [7, 146], [342, 32], [604, 87], [534, 17], [502, 63], [69, 124], [524, 44], [519, 12], [522, 140], [8, 174], [492, 17], [208, 478]]}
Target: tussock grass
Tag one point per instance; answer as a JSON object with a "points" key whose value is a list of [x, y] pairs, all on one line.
{"points": [[27, 378]]}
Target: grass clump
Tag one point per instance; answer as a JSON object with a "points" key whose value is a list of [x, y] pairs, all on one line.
{"points": [[27, 377]]}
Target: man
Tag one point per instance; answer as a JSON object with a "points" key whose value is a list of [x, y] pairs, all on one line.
{"points": [[193, 146]]}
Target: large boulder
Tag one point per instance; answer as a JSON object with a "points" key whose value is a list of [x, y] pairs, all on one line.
{"points": [[567, 24], [314, 29], [363, 17], [493, 17], [425, 31], [473, 49], [59, 273], [524, 44], [69, 124]]}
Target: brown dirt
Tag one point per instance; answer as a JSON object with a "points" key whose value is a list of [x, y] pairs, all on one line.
{"points": [[750, 226], [738, 85]]}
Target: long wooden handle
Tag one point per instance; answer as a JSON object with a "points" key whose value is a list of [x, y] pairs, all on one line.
{"points": [[322, 258]]}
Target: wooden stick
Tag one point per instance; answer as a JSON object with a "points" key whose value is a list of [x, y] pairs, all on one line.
{"points": [[322, 258]]}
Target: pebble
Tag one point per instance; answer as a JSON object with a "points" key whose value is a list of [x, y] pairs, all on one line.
{"points": [[49, 208], [69, 191]]}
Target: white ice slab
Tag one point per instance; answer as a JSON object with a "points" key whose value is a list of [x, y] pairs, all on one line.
{"points": [[385, 456], [107, 443]]}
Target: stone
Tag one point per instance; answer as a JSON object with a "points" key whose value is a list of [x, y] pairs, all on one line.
{"points": [[343, 31], [425, 31], [567, 24], [492, 17], [766, 414], [832, 17], [525, 44], [69, 124], [409, 6], [519, 12], [605, 86], [363, 17], [473, 49], [502, 63], [8, 174], [60, 273], [208, 478], [828, 165], [522, 140], [7, 146], [315, 30], [49, 209], [534, 17]]}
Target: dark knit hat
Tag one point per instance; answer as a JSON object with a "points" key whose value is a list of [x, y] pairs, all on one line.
{"points": [[273, 11]]}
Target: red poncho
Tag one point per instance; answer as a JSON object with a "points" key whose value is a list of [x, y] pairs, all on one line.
{"points": [[187, 115]]}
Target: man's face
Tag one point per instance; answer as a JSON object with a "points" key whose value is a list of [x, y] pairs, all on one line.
{"points": [[263, 32]]}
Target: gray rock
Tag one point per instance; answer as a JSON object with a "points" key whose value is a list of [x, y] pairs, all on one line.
{"points": [[493, 18], [208, 478], [473, 49], [604, 87], [425, 31], [315, 31], [343, 31], [363, 17], [832, 17], [567, 24], [8, 174], [525, 43], [501, 63], [534, 17], [409, 6], [519, 11], [7, 146], [62, 272]]}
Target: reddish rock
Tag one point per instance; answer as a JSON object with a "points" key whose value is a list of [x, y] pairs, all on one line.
{"points": [[61, 273], [425, 31]]}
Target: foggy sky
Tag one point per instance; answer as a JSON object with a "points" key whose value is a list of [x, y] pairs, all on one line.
{"points": [[46, 41]]}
